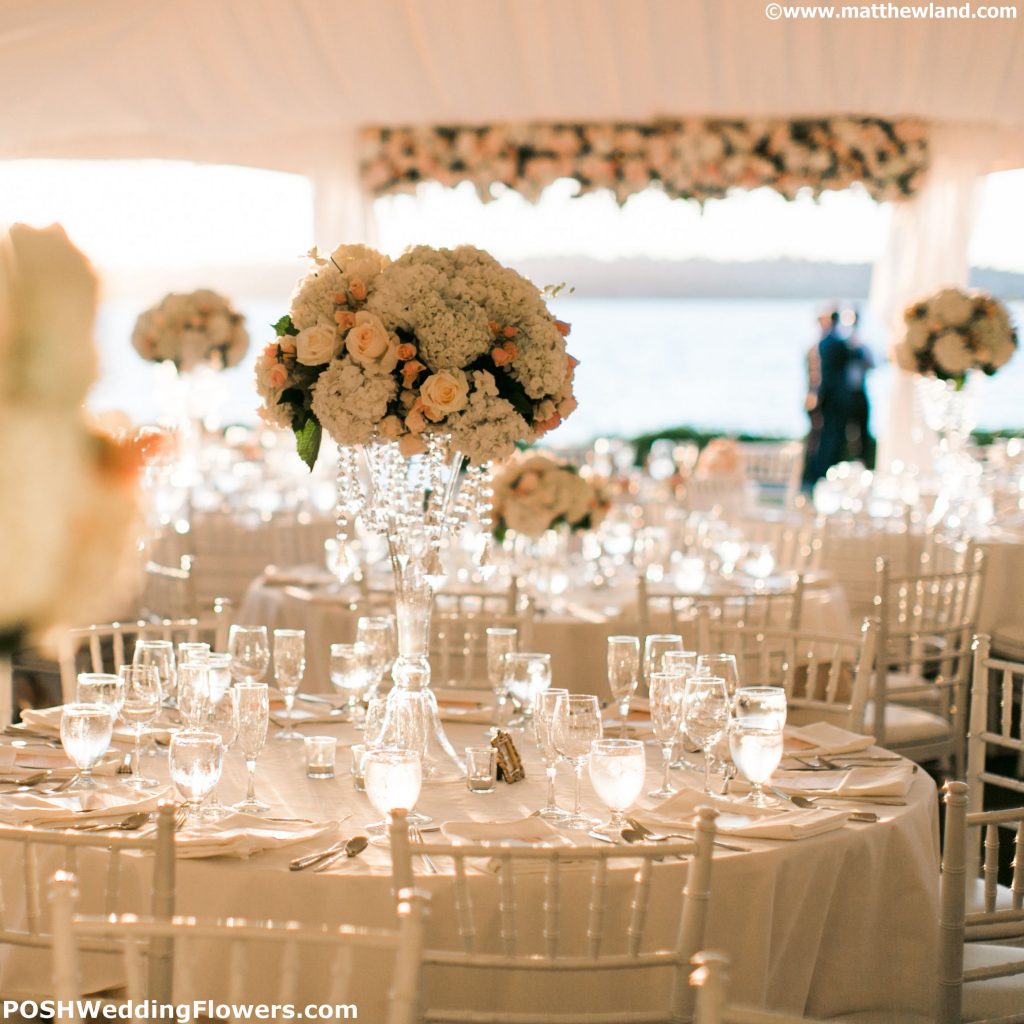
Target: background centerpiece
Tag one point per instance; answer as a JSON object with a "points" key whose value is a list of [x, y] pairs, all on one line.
{"points": [[415, 367]]}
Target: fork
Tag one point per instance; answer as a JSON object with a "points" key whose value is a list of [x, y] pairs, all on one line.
{"points": [[657, 837], [417, 840]]}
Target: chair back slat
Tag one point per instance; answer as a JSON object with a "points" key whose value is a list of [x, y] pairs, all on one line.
{"points": [[342, 963], [289, 983], [1017, 884], [991, 866], [236, 971], [113, 889], [638, 908]]}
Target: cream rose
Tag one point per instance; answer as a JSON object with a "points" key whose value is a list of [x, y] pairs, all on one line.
{"points": [[316, 345], [952, 307], [952, 354], [444, 392], [371, 345]]}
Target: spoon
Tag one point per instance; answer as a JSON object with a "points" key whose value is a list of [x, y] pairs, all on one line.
{"points": [[353, 848], [129, 823], [25, 780]]}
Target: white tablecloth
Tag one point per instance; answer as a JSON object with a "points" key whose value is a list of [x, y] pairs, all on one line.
{"points": [[836, 923]]}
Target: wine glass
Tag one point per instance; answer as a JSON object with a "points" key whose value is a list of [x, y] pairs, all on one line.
{"points": [[756, 750], [393, 780], [705, 715], [350, 673], [623, 672], [617, 770], [193, 692], [682, 663], [501, 640], [222, 719], [373, 723], [289, 668], [656, 646], [720, 666], [101, 688], [193, 650], [195, 760], [159, 653], [141, 707], [543, 715], [666, 696], [527, 674], [761, 705], [253, 717], [576, 724], [85, 731], [250, 652], [377, 633], [218, 666]]}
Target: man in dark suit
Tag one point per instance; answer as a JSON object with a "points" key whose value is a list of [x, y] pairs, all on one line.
{"points": [[828, 400]]}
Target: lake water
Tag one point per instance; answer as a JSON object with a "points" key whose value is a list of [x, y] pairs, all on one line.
{"points": [[730, 364]]}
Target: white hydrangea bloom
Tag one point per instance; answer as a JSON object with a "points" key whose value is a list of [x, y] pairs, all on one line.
{"points": [[951, 306], [349, 403], [314, 298], [952, 354]]}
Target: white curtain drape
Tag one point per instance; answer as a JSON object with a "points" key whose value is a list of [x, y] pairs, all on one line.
{"points": [[926, 250], [342, 211]]}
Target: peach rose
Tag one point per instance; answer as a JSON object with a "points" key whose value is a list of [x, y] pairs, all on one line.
{"points": [[444, 392], [391, 428], [410, 371], [371, 345], [345, 319], [278, 376], [500, 356], [316, 345], [415, 421], [357, 290], [406, 351], [411, 444]]}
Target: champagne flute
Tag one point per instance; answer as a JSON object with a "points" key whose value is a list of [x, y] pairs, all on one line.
{"points": [[617, 770], [193, 692], [141, 707], [219, 667], [195, 760], [527, 674], [393, 780], [253, 717], [705, 716], [576, 724], [501, 640], [101, 688], [250, 652], [756, 750], [623, 672], [761, 705], [377, 633], [85, 731], [543, 716], [666, 695], [222, 719], [289, 668], [350, 673], [656, 646]]}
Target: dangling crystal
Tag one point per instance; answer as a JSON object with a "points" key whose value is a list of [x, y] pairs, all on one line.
{"points": [[434, 571]]}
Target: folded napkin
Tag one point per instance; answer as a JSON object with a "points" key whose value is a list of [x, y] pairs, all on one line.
{"points": [[106, 803], [472, 712], [531, 831], [46, 722], [16, 761], [242, 835], [875, 780], [738, 818], [825, 739]]}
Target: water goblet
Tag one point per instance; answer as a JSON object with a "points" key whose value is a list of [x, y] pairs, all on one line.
{"points": [[141, 707], [527, 673], [705, 716], [761, 705], [218, 666], [393, 779], [222, 719], [193, 650], [159, 653], [253, 718], [656, 646], [617, 770], [250, 652], [501, 640], [85, 731], [682, 663], [756, 750], [195, 760], [666, 696], [373, 722], [193, 692], [350, 674], [289, 668], [576, 724], [623, 672], [720, 666], [543, 715], [100, 688], [377, 633]]}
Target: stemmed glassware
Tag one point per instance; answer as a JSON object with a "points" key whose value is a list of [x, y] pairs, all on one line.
{"points": [[141, 707], [250, 652], [683, 663], [761, 705], [377, 633], [289, 668], [101, 688], [543, 717], [193, 692], [656, 646], [623, 672], [85, 731], [705, 716], [222, 719], [160, 654], [501, 641], [617, 770], [193, 650], [527, 674], [576, 724], [756, 750], [666, 696], [351, 674], [253, 717], [218, 666], [393, 780], [195, 759], [373, 723], [720, 666]]}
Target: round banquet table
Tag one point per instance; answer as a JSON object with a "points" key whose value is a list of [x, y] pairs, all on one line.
{"points": [[836, 923], [573, 631]]}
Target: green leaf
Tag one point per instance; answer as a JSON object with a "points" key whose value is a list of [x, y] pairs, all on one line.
{"points": [[284, 326], [307, 441]]}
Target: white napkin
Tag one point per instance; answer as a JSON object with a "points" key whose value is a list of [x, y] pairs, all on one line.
{"points": [[16, 761], [46, 722], [469, 710], [738, 818], [242, 835], [825, 739], [531, 831], [892, 781], [104, 803]]}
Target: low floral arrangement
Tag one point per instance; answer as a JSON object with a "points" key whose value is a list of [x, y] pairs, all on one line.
{"points": [[69, 493], [720, 458], [200, 328], [953, 332], [440, 342], [535, 492]]}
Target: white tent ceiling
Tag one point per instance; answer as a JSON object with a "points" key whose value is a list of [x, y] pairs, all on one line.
{"points": [[283, 83]]}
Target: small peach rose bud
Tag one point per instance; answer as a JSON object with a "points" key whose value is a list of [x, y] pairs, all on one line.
{"points": [[406, 351], [509, 332], [357, 290], [500, 356]]}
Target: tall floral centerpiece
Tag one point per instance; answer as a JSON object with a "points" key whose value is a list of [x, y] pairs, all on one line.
{"points": [[69, 494], [949, 339], [415, 367]]}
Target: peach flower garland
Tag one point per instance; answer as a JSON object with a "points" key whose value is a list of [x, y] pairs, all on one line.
{"points": [[438, 342]]}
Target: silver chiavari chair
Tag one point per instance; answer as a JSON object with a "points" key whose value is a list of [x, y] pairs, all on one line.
{"points": [[517, 916], [238, 943], [774, 466], [101, 858]]}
